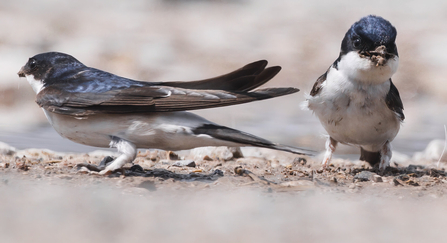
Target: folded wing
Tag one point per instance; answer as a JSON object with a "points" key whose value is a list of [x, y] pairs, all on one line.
{"points": [[147, 99], [87, 93]]}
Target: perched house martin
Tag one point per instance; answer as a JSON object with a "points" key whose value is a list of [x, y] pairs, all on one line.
{"points": [[97, 108], [355, 100]]}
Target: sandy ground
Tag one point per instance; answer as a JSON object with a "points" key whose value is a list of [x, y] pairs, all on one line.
{"points": [[264, 196]]}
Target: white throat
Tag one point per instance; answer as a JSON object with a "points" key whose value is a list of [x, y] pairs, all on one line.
{"points": [[37, 85], [363, 70]]}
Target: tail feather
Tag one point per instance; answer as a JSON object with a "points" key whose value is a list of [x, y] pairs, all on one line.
{"points": [[244, 79], [372, 158], [233, 135]]}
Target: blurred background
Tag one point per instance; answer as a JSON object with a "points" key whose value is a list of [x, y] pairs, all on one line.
{"points": [[186, 40], [174, 40]]}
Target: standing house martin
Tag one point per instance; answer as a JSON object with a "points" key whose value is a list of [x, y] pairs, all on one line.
{"points": [[355, 100], [97, 108]]}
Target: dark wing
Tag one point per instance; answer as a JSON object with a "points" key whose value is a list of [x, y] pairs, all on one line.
{"points": [[318, 84], [394, 102], [89, 91], [136, 99], [244, 79]]}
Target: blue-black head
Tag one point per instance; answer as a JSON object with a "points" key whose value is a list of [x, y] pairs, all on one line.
{"points": [[49, 64], [368, 34]]}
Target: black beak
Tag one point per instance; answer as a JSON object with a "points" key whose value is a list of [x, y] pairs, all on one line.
{"points": [[21, 73]]}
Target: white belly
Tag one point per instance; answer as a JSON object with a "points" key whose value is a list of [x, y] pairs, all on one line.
{"points": [[167, 131], [358, 126], [355, 114]]}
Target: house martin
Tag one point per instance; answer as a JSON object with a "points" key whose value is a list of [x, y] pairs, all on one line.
{"points": [[355, 99], [100, 109]]}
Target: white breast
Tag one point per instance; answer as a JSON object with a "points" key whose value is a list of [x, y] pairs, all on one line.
{"points": [[354, 112]]}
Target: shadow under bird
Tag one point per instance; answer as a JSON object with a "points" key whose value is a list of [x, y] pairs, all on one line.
{"points": [[97, 108], [355, 100]]}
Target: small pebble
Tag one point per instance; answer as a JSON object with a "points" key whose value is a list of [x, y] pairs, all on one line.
{"points": [[364, 176], [239, 170], [333, 179], [377, 178], [172, 156], [182, 163], [396, 182], [207, 158]]}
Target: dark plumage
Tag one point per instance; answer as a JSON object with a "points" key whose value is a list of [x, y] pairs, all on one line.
{"points": [[72, 88]]}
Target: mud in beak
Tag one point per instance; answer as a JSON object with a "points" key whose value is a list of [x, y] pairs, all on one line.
{"points": [[21, 73], [379, 56]]}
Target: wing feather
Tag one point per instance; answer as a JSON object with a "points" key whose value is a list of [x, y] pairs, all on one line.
{"points": [[147, 99], [394, 102], [89, 91]]}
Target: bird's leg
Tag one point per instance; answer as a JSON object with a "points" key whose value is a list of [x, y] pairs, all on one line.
{"points": [[385, 156], [331, 144], [128, 152]]}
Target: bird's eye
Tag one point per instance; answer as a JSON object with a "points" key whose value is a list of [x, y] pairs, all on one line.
{"points": [[32, 64], [357, 42]]}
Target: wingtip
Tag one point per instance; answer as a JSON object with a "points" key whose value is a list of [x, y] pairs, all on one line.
{"points": [[260, 65], [263, 64], [295, 90], [276, 67], [289, 90], [263, 61], [266, 75], [274, 70], [274, 92]]}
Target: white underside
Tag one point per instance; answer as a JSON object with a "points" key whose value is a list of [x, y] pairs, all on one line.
{"points": [[351, 104], [167, 130]]}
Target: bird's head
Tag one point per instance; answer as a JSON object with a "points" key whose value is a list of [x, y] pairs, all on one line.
{"points": [[43, 68], [369, 48]]}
